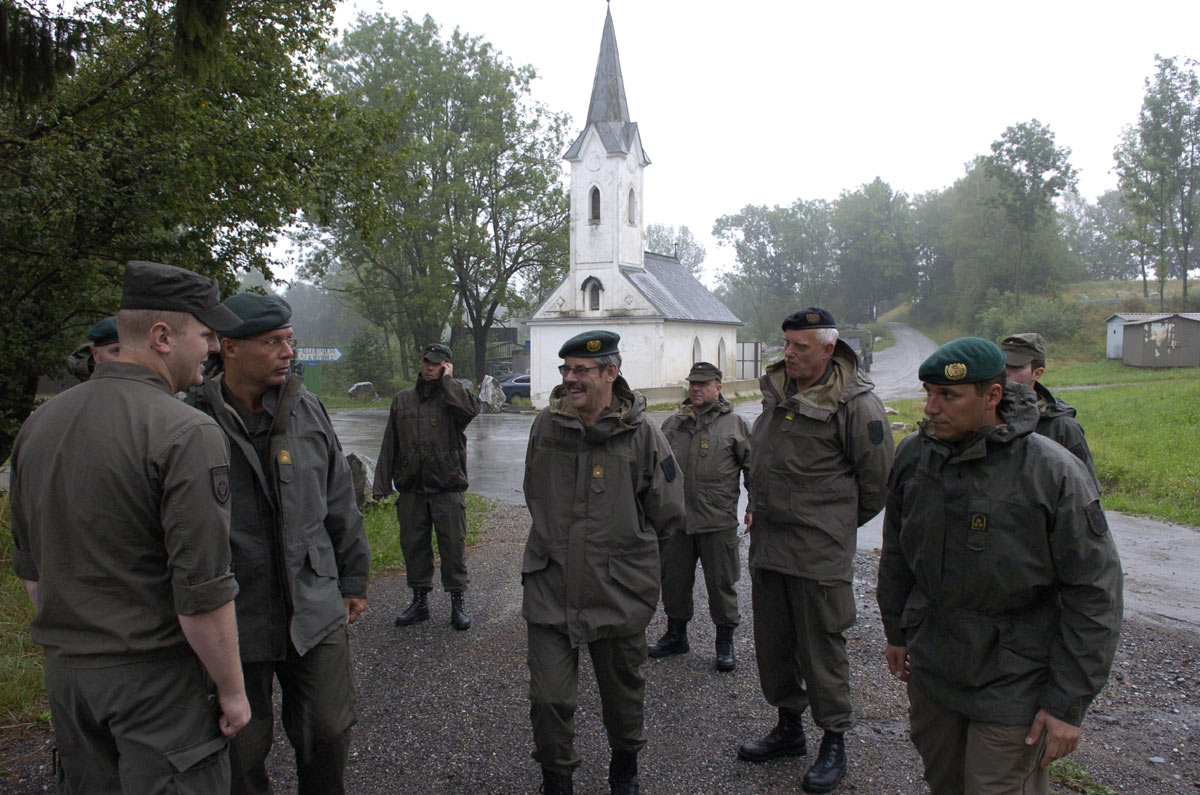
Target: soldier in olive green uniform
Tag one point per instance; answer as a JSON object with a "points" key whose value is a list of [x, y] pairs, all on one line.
{"points": [[120, 522], [712, 445], [103, 345], [604, 495], [999, 584], [1025, 363], [299, 550], [822, 451], [424, 454]]}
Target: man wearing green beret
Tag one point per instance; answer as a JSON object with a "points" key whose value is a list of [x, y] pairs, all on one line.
{"points": [[712, 444], [999, 585], [822, 450], [604, 494], [424, 456], [120, 524], [299, 549], [1025, 363], [102, 346]]}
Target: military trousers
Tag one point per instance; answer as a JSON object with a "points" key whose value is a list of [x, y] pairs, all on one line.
{"points": [[965, 757], [318, 711], [554, 693], [799, 641], [422, 515], [139, 728], [718, 556]]}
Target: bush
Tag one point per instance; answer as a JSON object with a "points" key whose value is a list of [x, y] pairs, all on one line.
{"points": [[1054, 319]]}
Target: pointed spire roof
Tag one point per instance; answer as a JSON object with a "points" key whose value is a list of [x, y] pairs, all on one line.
{"points": [[608, 111]]}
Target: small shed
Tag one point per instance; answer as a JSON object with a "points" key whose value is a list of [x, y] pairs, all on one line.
{"points": [[1168, 340], [1115, 330]]}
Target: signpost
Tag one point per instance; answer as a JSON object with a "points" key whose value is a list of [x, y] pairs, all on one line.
{"points": [[311, 357]]}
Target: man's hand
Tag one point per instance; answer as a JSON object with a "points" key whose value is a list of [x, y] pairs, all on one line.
{"points": [[897, 661], [749, 520], [235, 712], [354, 609], [1063, 739], [447, 369]]}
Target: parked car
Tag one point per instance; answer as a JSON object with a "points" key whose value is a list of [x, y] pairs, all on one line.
{"points": [[514, 385]]}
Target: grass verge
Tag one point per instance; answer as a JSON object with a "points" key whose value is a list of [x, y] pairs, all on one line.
{"points": [[1067, 773], [1111, 371], [383, 531]]}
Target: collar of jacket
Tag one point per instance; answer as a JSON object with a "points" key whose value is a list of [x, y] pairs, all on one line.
{"points": [[709, 411], [845, 380], [1019, 414], [1051, 406], [626, 410]]}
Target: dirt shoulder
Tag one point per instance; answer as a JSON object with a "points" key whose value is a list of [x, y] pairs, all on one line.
{"points": [[447, 712]]}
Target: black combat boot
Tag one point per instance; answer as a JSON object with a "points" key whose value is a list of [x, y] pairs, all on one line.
{"points": [[673, 641], [417, 610], [458, 614], [725, 659], [830, 767], [786, 739], [556, 783], [623, 774]]}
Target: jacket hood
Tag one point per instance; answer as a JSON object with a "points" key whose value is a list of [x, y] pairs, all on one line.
{"points": [[627, 409], [1050, 406], [846, 381], [720, 406]]}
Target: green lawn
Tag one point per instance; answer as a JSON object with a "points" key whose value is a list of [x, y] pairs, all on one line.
{"points": [[1112, 371]]}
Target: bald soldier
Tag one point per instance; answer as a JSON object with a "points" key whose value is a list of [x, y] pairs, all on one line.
{"points": [[122, 539], [999, 585], [604, 494]]}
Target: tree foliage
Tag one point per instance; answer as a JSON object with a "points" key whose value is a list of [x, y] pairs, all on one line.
{"points": [[678, 242], [876, 249], [128, 160]]}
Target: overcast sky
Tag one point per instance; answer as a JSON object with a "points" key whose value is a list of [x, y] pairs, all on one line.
{"points": [[769, 101]]}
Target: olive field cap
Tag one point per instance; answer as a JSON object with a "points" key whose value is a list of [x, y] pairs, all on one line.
{"points": [[258, 313], [704, 371], [103, 333], [152, 285], [1021, 349], [966, 360], [812, 317], [591, 345], [437, 353]]}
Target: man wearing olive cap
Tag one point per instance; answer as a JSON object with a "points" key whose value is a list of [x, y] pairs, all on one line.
{"points": [[1025, 363], [711, 442], [604, 494], [822, 450], [299, 549], [122, 539], [424, 456], [999, 585]]}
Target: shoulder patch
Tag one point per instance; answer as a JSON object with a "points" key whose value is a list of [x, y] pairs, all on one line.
{"points": [[668, 468], [1096, 518], [875, 429], [220, 483]]}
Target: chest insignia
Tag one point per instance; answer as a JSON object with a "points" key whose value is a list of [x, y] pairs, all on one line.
{"points": [[433, 419], [285, 457], [789, 416], [598, 471], [979, 521], [704, 444]]}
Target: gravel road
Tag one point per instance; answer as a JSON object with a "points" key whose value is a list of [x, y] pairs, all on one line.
{"points": [[446, 712]]}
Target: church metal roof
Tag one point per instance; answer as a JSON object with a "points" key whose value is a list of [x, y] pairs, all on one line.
{"points": [[608, 110], [676, 293]]}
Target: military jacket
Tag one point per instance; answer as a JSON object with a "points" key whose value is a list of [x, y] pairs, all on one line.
{"points": [[713, 450], [298, 542], [120, 513], [1056, 421], [603, 499], [424, 446], [820, 467], [998, 571]]}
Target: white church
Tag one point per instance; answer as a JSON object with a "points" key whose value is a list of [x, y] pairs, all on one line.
{"points": [[666, 318]]}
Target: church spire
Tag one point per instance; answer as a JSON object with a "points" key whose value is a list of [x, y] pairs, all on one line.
{"points": [[608, 90]]}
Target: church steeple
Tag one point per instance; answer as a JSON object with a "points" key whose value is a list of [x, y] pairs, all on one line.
{"points": [[608, 89]]}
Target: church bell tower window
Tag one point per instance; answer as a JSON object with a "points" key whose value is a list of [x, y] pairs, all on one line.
{"points": [[594, 205]]}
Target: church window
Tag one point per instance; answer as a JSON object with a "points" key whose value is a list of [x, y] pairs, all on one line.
{"points": [[594, 213], [696, 350], [721, 353], [591, 291], [632, 220]]}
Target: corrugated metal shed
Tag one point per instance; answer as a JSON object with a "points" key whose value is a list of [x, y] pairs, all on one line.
{"points": [[1114, 334], [1166, 340]]}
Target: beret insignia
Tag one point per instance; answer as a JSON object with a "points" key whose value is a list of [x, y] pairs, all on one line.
{"points": [[593, 345], [813, 318], [956, 371]]}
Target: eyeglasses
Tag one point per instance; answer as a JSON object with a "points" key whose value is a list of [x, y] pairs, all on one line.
{"points": [[579, 371], [275, 343]]}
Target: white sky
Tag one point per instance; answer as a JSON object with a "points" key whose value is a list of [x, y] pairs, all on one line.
{"points": [[768, 101]]}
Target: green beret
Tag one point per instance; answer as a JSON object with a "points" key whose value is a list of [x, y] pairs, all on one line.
{"points": [[1021, 349], [966, 360], [258, 313], [811, 317], [103, 333], [590, 345]]}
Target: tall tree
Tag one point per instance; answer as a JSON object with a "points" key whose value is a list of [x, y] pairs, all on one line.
{"points": [[676, 241], [876, 249], [1031, 171], [467, 212], [126, 160]]}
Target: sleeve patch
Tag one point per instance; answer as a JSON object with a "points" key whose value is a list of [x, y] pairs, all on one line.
{"points": [[1096, 519], [220, 483], [668, 468], [875, 429]]}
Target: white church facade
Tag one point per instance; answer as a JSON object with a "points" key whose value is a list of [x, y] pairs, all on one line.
{"points": [[666, 318]]}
